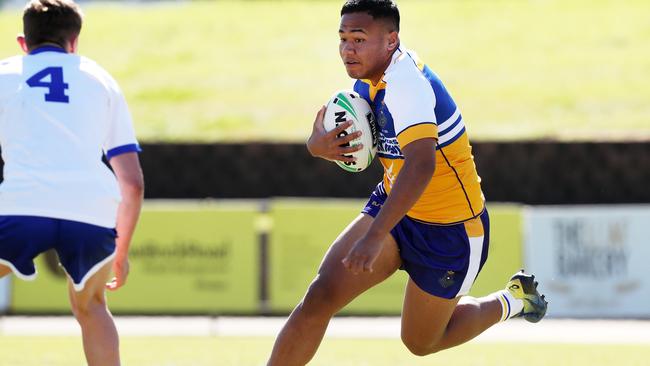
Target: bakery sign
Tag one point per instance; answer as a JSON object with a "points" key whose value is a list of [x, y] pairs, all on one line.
{"points": [[591, 261]]}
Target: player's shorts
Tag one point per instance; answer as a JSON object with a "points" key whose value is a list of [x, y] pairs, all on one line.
{"points": [[443, 260], [83, 249]]}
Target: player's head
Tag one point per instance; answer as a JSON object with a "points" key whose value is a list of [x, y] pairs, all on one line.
{"points": [[369, 36], [53, 22]]}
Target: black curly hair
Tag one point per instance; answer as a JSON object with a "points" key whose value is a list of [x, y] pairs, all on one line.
{"points": [[378, 9]]}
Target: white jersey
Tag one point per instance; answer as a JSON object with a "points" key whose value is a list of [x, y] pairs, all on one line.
{"points": [[59, 113]]}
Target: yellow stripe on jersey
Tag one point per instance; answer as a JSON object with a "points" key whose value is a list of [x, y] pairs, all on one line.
{"points": [[474, 227], [454, 193], [416, 132], [419, 64]]}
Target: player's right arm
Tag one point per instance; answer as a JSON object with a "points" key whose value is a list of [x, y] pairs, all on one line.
{"points": [[328, 145], [131, 182]]}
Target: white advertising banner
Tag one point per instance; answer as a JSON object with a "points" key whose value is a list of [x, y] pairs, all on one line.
{"points": [[591, 261]]}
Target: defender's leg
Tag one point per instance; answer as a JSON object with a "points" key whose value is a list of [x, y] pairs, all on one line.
{"points": [[100, 339], [86, 252], [4, 270]]}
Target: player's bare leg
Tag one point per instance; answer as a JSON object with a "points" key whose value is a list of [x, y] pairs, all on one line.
{"points": [[431, 324], [4, 270], [332, 289], [100, 339]]}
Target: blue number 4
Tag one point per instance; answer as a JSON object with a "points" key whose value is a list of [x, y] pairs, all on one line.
{"points": [[55, 85]]}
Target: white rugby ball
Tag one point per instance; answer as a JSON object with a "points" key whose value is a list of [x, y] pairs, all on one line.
{"points": [[348, 105]]}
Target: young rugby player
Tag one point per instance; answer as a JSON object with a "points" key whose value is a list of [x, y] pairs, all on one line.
{"points": [[427, 216], [59, 113]]}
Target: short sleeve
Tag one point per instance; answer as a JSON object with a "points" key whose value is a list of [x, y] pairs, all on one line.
{"points": [[411, 101], [121, 135]]}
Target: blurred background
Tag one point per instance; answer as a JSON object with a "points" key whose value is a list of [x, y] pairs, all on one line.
{"points": [[555, 96]]}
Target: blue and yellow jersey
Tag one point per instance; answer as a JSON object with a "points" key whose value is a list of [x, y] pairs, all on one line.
{"points": [[411, 103]]}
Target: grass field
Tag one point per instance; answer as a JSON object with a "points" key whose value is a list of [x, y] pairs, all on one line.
{"points": [[259, 70], [199, 351]]}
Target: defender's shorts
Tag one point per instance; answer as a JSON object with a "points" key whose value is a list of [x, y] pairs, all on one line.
{"points": [[443, 260], [82, 248]]}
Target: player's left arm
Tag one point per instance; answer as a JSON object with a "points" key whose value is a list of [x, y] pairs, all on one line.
{"points": [[131, 182], [122, 149], [419, 166]]}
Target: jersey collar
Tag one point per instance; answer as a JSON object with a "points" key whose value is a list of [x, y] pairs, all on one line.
{"points": [[374, 89], [399, 53], [47, 49]]}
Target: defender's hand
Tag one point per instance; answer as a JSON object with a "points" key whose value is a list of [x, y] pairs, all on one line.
{"points": [[328, 145], [121, 271], [363, 255]]}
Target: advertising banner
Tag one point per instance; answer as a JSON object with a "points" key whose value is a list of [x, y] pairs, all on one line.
{"points": [[186, 257], [591, 261], [302, 231]]}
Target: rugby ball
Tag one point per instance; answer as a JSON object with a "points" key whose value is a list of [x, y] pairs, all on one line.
{"points": [[348, 105]]}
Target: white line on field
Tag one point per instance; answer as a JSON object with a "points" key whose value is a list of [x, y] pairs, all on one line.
{"points": [[547, 331]]}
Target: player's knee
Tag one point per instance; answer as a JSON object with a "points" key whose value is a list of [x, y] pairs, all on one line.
{"points": [[319, 297], [419, 346], [83, 308]]}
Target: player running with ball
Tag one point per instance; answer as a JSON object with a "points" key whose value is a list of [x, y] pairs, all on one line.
{"points": [[427, 216], [59, 113]]}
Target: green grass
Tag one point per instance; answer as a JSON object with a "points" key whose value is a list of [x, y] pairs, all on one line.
{"points": [[199, 351], [259, 70]]}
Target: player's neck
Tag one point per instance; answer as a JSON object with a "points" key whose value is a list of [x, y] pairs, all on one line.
{"points": [[50, 44], [377, 78]]}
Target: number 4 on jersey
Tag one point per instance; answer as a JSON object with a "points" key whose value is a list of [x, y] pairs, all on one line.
{"points": [[55, 85]]}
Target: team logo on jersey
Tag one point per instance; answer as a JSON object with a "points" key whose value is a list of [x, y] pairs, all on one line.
{"points": [[373, 128], [389, 147], [382, 120]]}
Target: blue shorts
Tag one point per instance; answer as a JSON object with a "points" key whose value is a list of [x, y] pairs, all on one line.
{"points": [[443, 260], [82, 248]]}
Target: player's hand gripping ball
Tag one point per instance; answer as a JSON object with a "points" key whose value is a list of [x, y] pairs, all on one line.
{"points": [[350, 106]]}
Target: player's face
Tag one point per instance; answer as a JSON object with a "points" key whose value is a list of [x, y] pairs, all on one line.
{"points": [[366, 45]]}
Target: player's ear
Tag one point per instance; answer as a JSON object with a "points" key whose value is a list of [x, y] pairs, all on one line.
{"points": [[73, 44], [393, 41], [23, 44]]}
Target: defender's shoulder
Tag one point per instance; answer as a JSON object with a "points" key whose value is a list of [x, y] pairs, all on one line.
{"points": [[10, 75], [96, 71], [11, 65]]}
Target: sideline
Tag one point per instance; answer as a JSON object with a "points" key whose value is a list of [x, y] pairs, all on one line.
{"points": [[547, 331]]}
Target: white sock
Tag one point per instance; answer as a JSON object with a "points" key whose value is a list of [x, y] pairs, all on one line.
{"points": [[510, 306]]}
